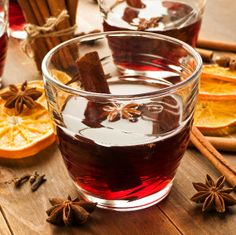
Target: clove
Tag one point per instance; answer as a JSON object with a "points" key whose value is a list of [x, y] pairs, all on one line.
{"points": [[40, 179]]}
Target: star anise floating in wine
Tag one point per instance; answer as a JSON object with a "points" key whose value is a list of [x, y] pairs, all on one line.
{"points": [[18, 99], [116, 111], [213, 195], [69, 212]]}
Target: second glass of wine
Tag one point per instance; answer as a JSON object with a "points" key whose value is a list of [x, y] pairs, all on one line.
{"points": [[180, 19]]}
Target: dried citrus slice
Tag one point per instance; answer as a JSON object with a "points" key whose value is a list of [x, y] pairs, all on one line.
{"points": [[211, 88], [218, 72], [215, 117], [27, 133], [61, 76]]}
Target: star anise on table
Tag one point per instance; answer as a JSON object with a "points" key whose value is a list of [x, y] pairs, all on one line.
{"points": [[213, 195], [116, 111], [18, 98], [68, 212]]}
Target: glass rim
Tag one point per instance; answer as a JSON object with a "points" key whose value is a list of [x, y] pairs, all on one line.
{"points": [[159, 92]]}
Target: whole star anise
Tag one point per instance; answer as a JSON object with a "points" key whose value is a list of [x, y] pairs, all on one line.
{"points": [[17, 99], [213, 195], [148, 23], [68, 212], [116, 111]]}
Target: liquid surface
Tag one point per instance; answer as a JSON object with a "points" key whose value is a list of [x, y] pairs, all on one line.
{"points": [[178, 20]]}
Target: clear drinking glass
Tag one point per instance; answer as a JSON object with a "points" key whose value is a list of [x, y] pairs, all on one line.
{"points": [[180, 19], [122, 149], [3, 34]]}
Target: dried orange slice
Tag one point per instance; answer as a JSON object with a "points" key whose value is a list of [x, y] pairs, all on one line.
{"points": [[215, 117], [27, 133], [61, 76], [218, 72], [211, 88]]}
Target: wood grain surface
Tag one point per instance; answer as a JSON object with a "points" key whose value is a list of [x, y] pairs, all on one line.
{"points": [[23, 212]]}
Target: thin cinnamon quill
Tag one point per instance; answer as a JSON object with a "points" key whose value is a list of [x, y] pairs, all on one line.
{"points": [[216, 45], [208, 151], [206, 55], [222, 143]]}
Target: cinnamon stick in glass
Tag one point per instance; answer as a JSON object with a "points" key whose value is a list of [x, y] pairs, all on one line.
{"points": [[209, 152], [216, 45]]}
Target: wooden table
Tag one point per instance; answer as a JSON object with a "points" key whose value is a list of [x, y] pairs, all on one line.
{"points": [[23, 212]]}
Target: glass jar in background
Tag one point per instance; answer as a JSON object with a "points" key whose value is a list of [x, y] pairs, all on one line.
{"points": [[3, 34], [180, 19]]}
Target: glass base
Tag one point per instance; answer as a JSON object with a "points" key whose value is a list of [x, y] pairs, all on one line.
{"points": [[126, 205]]}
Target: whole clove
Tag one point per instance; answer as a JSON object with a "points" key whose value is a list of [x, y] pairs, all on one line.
{"points": [[40, 179], [33, 177], [20, 181]]}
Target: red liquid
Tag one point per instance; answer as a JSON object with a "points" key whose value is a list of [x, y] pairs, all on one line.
{"points": [[16, 18], [122, 159], [3, 46], [178, 19]]}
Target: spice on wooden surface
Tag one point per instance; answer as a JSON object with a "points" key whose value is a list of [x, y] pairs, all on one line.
{"points": [[69, 212], [216, 45], [206, 55], [213, 195], [20, 98], [22, 180], [208, 151], [39, 180]]}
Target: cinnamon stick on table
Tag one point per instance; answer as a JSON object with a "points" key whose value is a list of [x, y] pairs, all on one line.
{"points": [[216, 45], [223, 143], [208, 151], [206, 55]]}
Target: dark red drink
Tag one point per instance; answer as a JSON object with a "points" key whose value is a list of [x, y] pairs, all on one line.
{"points": [[176, 19], [124, 160], [3, 46]]}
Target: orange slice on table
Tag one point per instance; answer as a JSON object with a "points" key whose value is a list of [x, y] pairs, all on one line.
{"points": [[27, 133], [218, 72], [215, 117], [217, 89]]}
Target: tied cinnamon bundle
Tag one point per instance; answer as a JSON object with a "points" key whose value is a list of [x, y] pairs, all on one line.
{"points": [[49, 23]]}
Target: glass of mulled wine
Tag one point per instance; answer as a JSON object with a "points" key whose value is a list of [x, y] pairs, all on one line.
{"points": [[3, 34], [180, 19], [123, 144]]}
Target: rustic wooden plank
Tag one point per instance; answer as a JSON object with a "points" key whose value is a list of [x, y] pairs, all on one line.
{"points": [[4, 229], [186, 214], [26, 210]]}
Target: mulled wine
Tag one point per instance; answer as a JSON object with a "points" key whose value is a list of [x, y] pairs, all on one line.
{"points": [[16, 20], [123, 114], [172, 18], [3, 45], [123, 160]]}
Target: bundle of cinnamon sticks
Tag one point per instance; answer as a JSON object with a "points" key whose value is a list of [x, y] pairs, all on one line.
{"points": [[37, 12]]}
